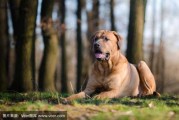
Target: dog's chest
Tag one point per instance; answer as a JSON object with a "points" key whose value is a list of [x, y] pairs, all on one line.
{"points": [[104, 83]]}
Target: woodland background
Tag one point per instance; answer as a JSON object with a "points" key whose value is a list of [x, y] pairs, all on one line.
{"points": [[45, 44]]}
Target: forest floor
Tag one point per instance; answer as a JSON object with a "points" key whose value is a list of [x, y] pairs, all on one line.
{"points": [[147, 108]]}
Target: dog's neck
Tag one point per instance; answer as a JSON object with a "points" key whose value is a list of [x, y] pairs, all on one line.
{"points": [[107, 66]]}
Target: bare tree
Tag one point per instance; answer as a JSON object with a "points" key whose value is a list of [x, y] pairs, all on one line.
{"points": [[113, 27], [3, 44], [25, 47], [152, 50], [14, 9], [160, 65], [64, 85], [135, 30], [93, 18], [79, 46], [95, 11], [50, 54]]}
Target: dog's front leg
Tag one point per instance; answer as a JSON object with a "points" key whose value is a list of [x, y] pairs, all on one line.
{"points": [[76, 96], [108, 94], [80, 95], [73, 97]]}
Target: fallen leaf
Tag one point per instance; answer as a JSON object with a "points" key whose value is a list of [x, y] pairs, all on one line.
{"points": [[151, 105]]}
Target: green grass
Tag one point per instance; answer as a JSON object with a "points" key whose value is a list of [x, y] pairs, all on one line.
{"points": [[147, 108]]}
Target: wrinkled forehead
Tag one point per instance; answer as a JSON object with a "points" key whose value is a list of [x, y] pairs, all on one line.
{"points": [[107, 34]]}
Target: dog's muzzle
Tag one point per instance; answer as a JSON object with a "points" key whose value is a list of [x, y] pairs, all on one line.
{"points": [[99, 55]]}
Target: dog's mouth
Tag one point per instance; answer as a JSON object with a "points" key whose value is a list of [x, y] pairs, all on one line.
{"points": [[99, 55]]}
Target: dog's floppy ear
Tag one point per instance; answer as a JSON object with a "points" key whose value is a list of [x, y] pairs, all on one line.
{"points": [[119, 39]]}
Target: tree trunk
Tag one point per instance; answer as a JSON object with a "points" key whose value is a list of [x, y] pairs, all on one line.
{"points": [[24, 73], [79, 48], [3, 44], [95, 11], [152, 50], [14, 9], [64, 85], [93, 19], [50, 54], [160, 66], [113, 27], [135, 31]]}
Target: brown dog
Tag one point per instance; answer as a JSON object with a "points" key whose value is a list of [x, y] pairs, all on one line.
{"points": [[112, 76]]}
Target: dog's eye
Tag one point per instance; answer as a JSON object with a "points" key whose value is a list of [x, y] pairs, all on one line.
{"points": [[95, 39], [106, 39]]}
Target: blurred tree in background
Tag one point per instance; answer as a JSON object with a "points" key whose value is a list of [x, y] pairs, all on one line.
{"points": [[25, 47], [79, 47], [50, 54], [64, 79], [160, 65], [3, 45], [113, 27], [93, 20], [135, 31], [14, 10]]}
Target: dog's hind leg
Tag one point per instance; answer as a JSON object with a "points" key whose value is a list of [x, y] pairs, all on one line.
{"points": [[147, 80]]}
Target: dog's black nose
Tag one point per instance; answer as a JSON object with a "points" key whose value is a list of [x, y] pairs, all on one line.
{"points": [[96, 45]]}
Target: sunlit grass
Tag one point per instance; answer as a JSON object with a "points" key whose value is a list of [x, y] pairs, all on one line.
{"points": [[147, 108]]}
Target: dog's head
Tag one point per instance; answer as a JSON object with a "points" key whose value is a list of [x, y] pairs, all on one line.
{"points": [[105, 44]]}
